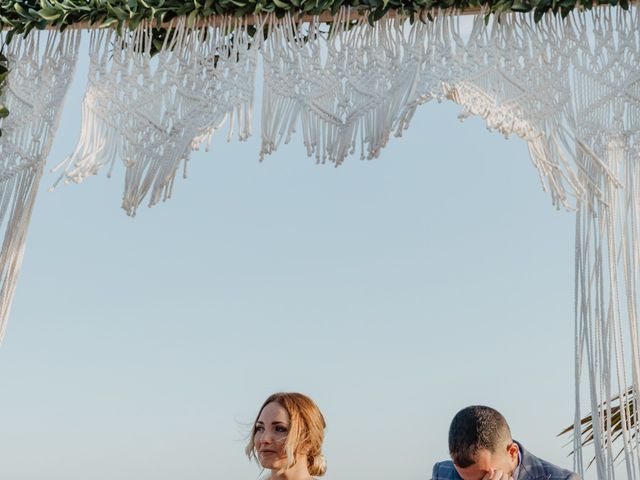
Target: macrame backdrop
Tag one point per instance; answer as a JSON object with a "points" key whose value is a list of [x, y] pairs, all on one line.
{"points": [[151, 111], [569, 87], [41, 68]]}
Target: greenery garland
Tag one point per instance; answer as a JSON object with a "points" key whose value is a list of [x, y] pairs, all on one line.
{"points": [[22, 16], [4, 71]]}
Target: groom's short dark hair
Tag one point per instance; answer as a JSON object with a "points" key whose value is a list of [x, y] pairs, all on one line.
{"points": [[474, 428]]}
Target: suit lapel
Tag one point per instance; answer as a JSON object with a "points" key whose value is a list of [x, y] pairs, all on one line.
{"points": [[531, 468]]}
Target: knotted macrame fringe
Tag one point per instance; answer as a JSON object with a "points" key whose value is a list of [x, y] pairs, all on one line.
{"points": [[151, 111], [571, 89], [605, 91], [509, 73], [345, 86], [41, 69], [350, 86]]}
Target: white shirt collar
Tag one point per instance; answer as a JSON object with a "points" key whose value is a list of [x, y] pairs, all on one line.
{"points": [[516, 472]]}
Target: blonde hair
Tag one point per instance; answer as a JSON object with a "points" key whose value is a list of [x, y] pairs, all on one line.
{"points": [[305, 435]]}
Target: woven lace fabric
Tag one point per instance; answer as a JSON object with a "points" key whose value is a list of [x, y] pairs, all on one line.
{"points": [[41, 68]]}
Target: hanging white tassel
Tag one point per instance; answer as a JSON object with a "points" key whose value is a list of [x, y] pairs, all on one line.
{"points": [[151, 111], [41, 69], [571, 89], [509, 73], [605, 92], [346, 86]]}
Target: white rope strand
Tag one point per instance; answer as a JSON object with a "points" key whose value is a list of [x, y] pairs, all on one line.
{"points": [[41, 68]]}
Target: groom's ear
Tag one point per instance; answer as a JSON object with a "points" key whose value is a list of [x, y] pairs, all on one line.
{"points": [[513, 449]]}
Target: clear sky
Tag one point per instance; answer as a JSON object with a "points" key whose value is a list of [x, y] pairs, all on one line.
{"points": [[394, 292]]}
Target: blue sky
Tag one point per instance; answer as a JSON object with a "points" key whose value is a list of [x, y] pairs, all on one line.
{"points": [[394, 292]]}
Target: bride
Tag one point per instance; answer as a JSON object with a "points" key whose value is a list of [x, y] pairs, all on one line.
{"points": [[287, 436]]}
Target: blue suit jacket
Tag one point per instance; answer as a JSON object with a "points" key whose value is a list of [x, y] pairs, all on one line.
{"points": [[531, 468]]}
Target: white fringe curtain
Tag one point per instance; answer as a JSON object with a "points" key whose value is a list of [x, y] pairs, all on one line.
{"points": [[150, 111], [350, 87], [571, 89], [606, 100], [513, 74], [41, 68]]}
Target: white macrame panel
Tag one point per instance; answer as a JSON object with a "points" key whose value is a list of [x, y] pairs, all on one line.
{"points": [[436, 31], [151, 111], [513, 73], [571, 89], [606, 100], [41, 69], [344, 87]]}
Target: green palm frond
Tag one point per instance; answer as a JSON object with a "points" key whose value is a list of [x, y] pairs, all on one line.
{"points": [[610, 417]]}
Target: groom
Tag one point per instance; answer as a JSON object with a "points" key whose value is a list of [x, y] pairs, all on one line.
{"points": [[481, 448]]}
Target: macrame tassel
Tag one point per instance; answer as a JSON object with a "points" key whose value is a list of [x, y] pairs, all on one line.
{"points": [[151, 111], [345, 87], [605, 92], [570, 88], [511, 73], [41, 69]]}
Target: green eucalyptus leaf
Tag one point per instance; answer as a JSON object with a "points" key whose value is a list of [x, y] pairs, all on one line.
{"points": [[108, 23], [49, 14], [521, 6], [538, 14], [18, 8], [192, 19], [4, 72], [135, 21]]}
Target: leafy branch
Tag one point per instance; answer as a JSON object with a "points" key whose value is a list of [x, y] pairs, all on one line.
{"points": [[4, 72], [21, 16]]}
